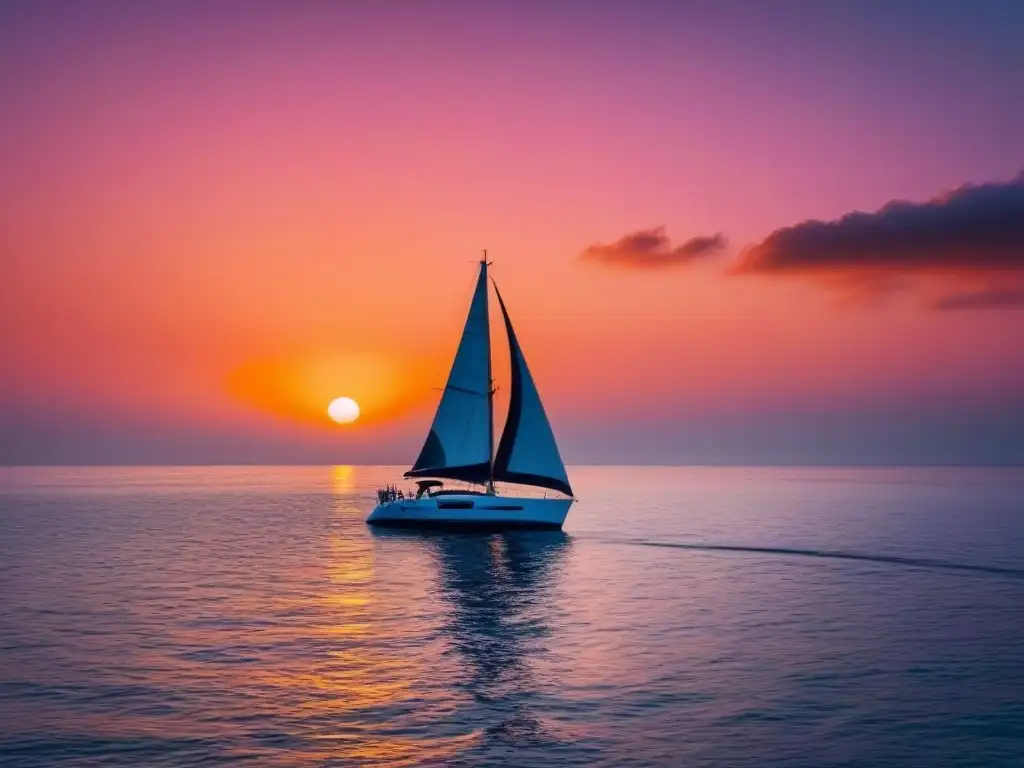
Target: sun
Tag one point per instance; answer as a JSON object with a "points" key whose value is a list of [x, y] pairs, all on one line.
{"points": [[343, 410]]}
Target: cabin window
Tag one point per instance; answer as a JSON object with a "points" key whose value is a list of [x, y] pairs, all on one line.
{"points": [[455, 505]]}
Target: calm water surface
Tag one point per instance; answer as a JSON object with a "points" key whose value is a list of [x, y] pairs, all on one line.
{"points": [[719, 617]]}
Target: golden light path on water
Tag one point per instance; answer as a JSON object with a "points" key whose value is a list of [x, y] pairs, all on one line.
{"points": [[358, 673]]}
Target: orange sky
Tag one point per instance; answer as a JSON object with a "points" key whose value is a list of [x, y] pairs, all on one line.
{"points": [[214, 228]]}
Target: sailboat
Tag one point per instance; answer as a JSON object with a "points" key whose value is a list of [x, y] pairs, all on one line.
{"points": [[460, 445]]}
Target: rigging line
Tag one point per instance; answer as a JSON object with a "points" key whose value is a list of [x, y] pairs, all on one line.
{"points": [[466, 391]]}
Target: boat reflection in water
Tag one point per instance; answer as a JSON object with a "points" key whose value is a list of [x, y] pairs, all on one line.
{"points": [[499, 591]]}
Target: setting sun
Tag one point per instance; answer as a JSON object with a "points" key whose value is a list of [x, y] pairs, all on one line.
{"points": [[343, 410]]}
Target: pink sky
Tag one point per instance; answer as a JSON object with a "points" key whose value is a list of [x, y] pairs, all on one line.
{"points": [[215, 217]]}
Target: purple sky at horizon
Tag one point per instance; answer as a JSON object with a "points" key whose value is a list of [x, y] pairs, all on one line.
{"points": [[218, 216]]}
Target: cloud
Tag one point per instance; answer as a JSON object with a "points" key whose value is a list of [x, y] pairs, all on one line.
{"points": [[962, 249], [975, 229], [995, 298], [649, 248]]}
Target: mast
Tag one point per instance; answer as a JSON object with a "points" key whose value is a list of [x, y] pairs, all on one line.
{"points": [[490, 394]]}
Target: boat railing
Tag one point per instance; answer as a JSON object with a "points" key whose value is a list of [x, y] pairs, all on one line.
{"points": [[390, 493]]}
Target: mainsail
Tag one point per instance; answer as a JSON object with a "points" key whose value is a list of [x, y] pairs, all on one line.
{"points": [[527, 453], [460, 441]]}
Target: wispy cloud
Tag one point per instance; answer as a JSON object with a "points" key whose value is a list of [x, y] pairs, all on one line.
{"points": [[1010, 298], [652, 248]]}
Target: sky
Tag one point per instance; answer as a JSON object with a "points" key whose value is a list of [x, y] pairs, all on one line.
{"points": [[786, 232]]}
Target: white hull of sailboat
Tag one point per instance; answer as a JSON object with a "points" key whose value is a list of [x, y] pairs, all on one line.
{"points": [[472, 511]]}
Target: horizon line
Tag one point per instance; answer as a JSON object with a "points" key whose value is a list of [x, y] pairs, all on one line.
{"points": [[710, 465]]}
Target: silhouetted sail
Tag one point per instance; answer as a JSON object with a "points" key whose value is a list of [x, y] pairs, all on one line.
{"points": [[460, 439], [527, 453]]}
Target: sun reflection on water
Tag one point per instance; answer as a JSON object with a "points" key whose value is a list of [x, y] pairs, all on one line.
{"points": [[366, 701], [342, 478]]}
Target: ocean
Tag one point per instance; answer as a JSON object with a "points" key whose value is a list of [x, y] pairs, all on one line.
{"points": [[685, 617]]}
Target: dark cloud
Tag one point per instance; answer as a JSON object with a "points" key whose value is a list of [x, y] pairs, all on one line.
{"points": [[994, 298], [652, 248], [971, 229]]}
